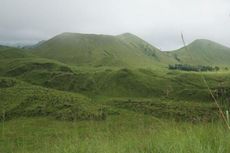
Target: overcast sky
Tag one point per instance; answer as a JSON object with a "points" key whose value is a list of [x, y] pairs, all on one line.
{"points": [[159, 22]]}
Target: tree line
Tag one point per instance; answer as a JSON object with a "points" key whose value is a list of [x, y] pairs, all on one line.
{"points": [[186, 67]]}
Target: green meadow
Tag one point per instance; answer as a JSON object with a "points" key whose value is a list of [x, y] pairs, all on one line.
{"points": [[129, 133]]}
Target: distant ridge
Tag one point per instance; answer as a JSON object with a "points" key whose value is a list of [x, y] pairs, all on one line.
{"points": [[203, 52], [100, 50], [11, 52], [124, 50]]}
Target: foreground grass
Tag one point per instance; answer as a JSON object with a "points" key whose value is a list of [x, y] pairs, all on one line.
{"points": [[130, 133]]}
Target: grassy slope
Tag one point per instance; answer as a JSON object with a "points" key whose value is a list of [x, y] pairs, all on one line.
{"points": [[128, 50], [18, 66], [108, 82], [120, 82], [203, 52], [22, 99], [10, 53], [100, 50], [166, 90]]}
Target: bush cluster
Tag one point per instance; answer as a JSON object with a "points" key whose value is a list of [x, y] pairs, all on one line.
{"points": [[186, 67]]}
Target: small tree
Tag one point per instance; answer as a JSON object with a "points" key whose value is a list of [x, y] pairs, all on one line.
{"points": [[217, 68]]}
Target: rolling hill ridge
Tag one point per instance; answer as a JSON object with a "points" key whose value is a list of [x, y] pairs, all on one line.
{"points": [[103, 67], [126, 50], [202, 52]]}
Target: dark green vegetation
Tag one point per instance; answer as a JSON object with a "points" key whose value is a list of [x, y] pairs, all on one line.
{"points": [[21, 99], [100, 93], [198, 68], [177, 111]]}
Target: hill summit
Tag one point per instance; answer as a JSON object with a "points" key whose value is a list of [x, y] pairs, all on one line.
{"points": [[203, 52], [100, 50]]}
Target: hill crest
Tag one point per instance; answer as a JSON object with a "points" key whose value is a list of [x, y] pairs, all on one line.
{"points": [[100, 50]]}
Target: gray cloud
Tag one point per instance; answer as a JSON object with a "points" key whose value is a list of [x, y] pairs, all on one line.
{"points": [[160, 22]]}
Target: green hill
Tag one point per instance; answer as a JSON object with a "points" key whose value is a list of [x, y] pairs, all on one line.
{"points": [[99, 93], [20, 99], [102, 67], [100, 50], [202, 52], [110, 82], [127, 50], [11, 52], [46, 88]]}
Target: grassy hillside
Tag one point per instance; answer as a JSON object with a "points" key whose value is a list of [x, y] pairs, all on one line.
{"points": [[127, 50], [203, 52], [10, 53], [99, 93], [100, 50], [19, 66], [21, 99], [110, 82], [163, 95]]}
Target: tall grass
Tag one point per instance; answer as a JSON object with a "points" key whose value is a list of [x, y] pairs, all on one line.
{"points": [[118, 135], [3, 123]]}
